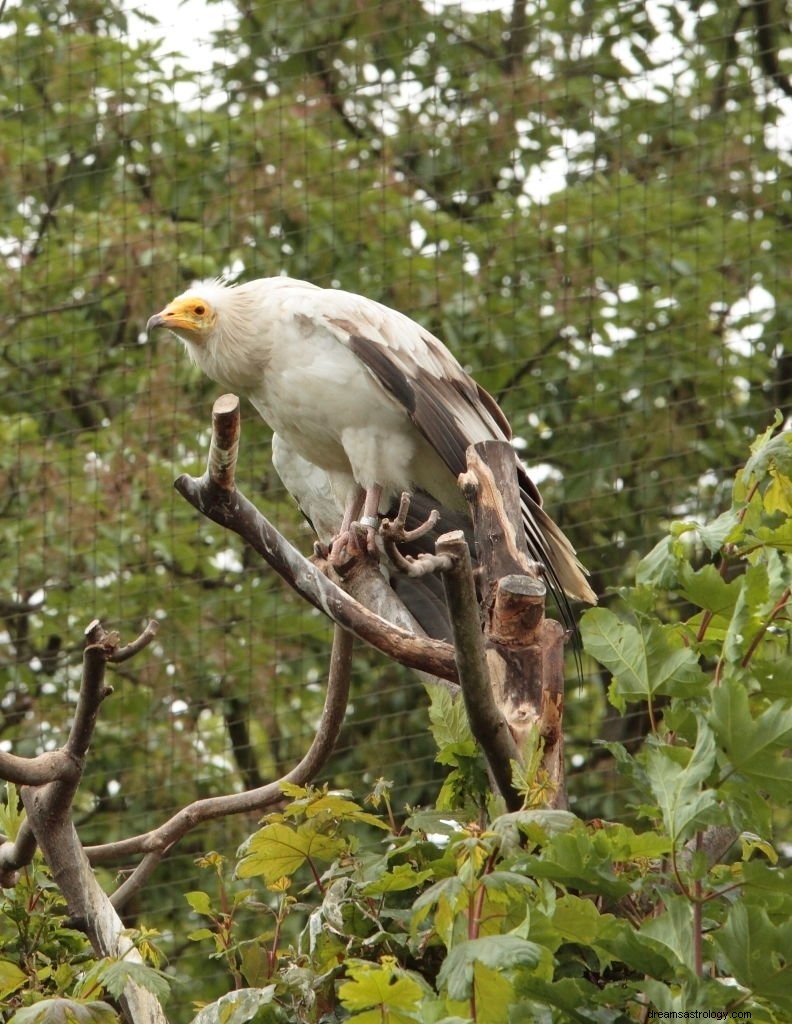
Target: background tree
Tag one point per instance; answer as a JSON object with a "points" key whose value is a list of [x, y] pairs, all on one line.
{"points": [[588, 203]]}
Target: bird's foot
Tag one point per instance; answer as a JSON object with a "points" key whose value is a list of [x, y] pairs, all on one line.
{"points": [[359, 539], [394, 532]]}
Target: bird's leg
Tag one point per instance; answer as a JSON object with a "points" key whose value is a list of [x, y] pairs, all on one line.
{"points": [[370, 518], [346, 535]]}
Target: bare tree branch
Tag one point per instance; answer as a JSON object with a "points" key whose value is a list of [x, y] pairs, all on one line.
{"points": [[488, 725], [49, 825], [156, 843]]}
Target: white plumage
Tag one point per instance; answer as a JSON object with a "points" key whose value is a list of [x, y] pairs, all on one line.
{"points": [[361, 392]]}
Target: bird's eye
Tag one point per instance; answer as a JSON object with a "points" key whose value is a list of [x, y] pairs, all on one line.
{"points": [[200, 310]]}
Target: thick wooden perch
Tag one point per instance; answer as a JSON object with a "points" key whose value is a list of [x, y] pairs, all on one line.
{"points": [[524, 651]]}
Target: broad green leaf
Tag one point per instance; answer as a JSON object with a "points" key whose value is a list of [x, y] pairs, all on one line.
{"points": [[576, 998], [399, 879], [538, 824], [11, 978], [706, 588], [756, 748], [758, 953], [199, 901], [448, 718], [499, 952], [117, 974], [678, 788], [660, 568], [385, 985], [236, 1007], [279, 850], [65, 1011], [644, 659], [579, 860], [673, 927]]}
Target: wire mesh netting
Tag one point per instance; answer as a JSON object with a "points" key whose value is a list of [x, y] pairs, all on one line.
{"points": [[588, 203]]}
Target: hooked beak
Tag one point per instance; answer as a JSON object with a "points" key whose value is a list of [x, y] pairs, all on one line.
{"points": [[158, 320]]}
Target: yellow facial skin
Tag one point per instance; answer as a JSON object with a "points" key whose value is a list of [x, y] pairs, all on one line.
{"points": [[189, 317]]}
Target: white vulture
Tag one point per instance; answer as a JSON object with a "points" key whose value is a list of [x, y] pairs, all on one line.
{"points": [[363, 393]]}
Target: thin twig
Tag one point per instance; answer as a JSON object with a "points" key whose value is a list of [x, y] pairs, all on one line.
{"points": [[156, 843]]}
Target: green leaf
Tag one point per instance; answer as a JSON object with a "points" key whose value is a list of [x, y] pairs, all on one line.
{"points": [[644, 659], [580, 860], [769, 451], [199, 901], [12, 813], [236, 1007], [385, 986], [499, 952], [117, 974], [660, 567], [673, 928], [574, 997], [447, 717], [758, 953], [706, 588], [756, 748], [279, 850], [401, 878], [11, 978], [66, 1011], [684, 804]]}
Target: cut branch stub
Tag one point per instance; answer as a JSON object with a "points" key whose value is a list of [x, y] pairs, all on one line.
{"points": [[224, 447], [517, 610]]}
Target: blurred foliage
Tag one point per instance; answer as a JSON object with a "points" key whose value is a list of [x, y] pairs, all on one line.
{"points": [[588, 202]]}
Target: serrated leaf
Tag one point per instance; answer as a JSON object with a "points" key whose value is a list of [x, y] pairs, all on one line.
{"points": [[673, 928], [706, 588], [448, 718], [715, 534], [339, 808], [755, 747], [384, 985], [660, 567], [499, 952], [644, 659], [117, 974], [399, 879], [683, 803], [12, 814], [278, 850], [768, 449], [579, 860], [758, 953]]}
